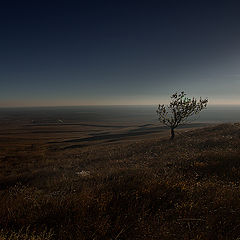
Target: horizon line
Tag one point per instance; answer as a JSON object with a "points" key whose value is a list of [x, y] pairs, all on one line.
{"points": [[101, 105]]}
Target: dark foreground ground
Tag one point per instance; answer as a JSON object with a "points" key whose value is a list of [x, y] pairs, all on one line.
{"points": [[62, 182]]}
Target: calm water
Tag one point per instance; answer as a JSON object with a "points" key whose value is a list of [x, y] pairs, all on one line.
{"points": [[109, 114]]}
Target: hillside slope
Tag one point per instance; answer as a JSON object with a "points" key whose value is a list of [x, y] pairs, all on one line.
{"points": [[152, 189]]}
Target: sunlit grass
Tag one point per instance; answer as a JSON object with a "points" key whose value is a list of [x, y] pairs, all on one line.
{"points": [[151, 189]]}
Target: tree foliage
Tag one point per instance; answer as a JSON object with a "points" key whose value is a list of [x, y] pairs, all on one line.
{"points": [[180, 109]]}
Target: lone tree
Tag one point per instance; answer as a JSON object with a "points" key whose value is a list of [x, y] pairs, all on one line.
{"points": [[180, 110]]}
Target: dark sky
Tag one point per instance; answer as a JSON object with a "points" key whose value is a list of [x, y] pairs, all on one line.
{"points": [[118, 52]]}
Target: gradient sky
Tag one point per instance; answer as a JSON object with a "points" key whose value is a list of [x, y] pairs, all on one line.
{"points": [[118, 52]]}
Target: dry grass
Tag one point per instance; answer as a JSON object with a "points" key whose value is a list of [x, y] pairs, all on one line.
{"points": [[151, 189], [25, 235]]}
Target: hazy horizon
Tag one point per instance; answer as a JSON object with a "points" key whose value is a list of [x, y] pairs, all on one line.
{"points": [[107, 105], [144, 102], [144, 114]]}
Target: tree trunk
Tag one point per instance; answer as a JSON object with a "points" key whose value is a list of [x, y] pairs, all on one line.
{"points": [[172, 134]]}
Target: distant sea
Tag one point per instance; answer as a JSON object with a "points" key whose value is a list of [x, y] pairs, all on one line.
{"points": [[144, 114]]}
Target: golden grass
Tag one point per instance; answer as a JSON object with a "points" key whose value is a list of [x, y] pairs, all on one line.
{"points": [[150, 189], [26, 235]]}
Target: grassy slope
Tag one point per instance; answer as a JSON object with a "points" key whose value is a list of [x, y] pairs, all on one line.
{"points": [[152, 189]]}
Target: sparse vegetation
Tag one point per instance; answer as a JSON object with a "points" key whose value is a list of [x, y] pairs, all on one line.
{"points": [[179, 110], [25, 235], [151, 189]]}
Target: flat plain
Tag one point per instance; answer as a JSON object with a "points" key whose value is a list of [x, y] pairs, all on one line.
{"points": [[117, 180]]}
